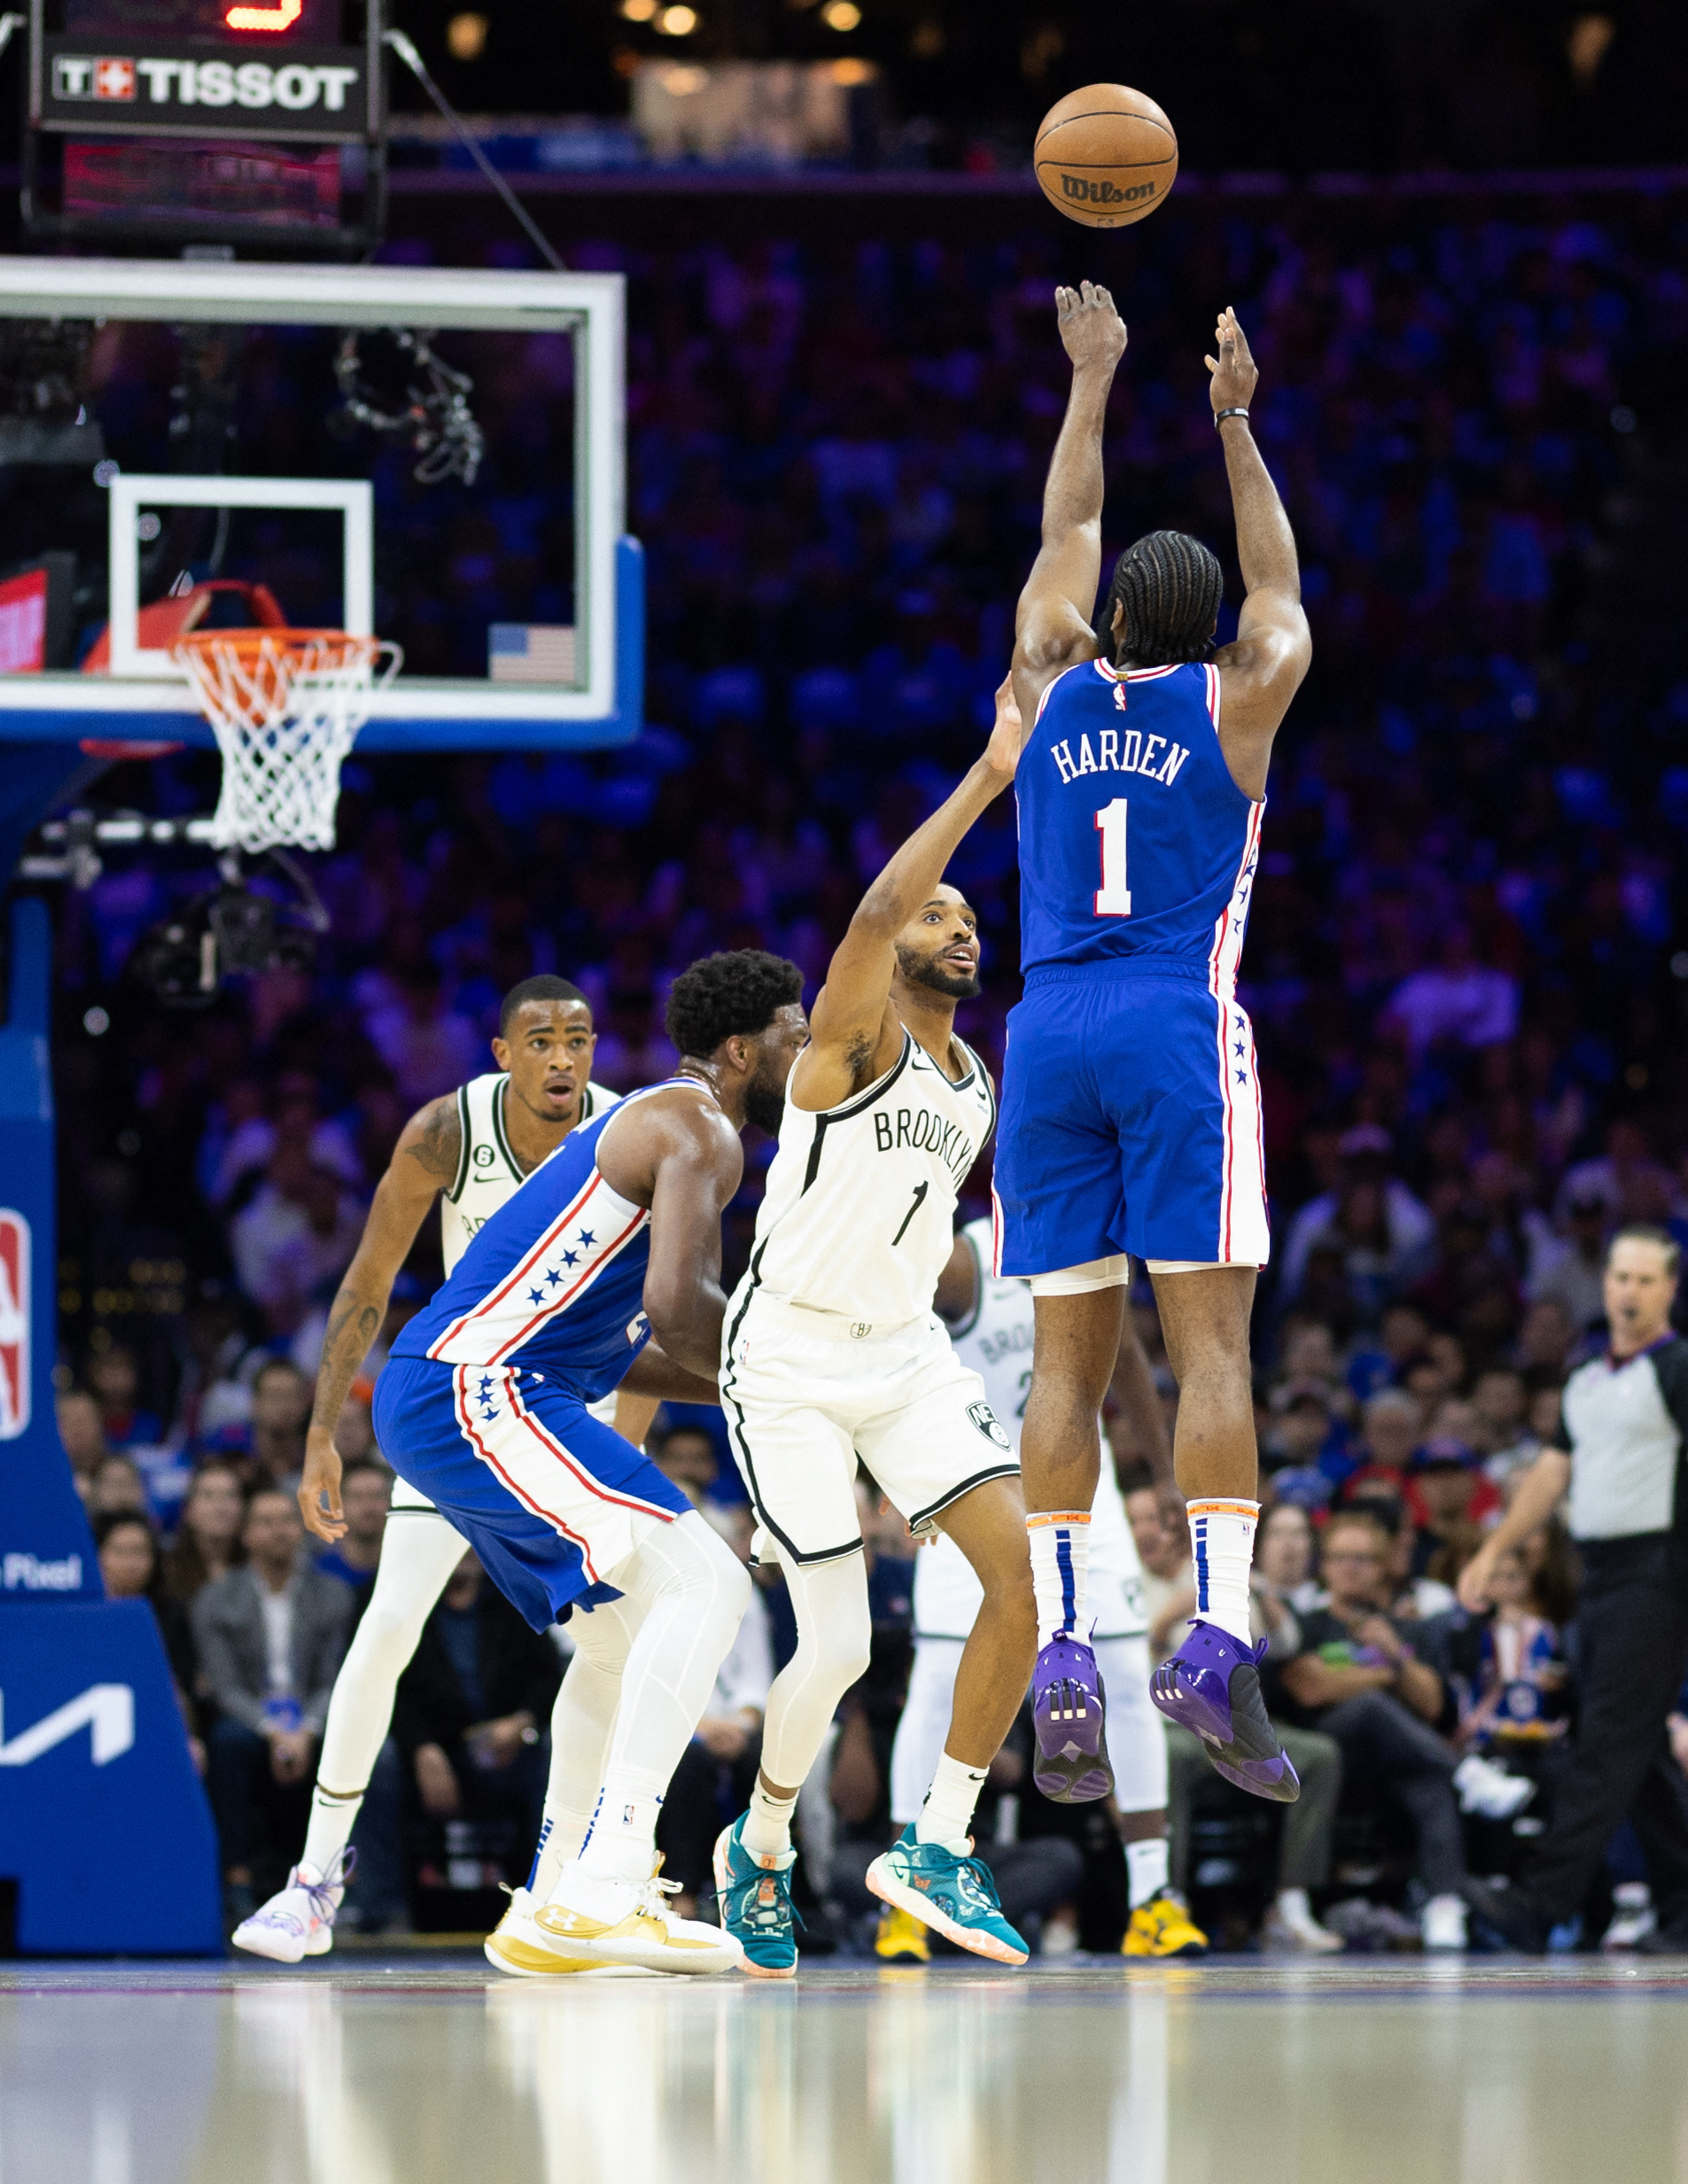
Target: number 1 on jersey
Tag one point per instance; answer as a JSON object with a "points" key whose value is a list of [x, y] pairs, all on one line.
{"points": [[920, 1199], [1113, 897]]}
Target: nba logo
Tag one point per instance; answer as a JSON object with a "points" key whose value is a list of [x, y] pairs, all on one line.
{"points": [[14, 1324]]}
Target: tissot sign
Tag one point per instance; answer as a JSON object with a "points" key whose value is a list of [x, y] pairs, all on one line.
{"points": [[168, 88]]}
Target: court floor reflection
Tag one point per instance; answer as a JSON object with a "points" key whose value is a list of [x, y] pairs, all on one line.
{"points": [[405, 2073]]}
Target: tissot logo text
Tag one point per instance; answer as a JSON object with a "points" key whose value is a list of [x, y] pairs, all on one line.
{"points": [[296, 87]]}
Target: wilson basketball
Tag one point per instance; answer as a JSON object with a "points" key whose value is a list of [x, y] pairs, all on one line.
{"points": [[1105, 155]]}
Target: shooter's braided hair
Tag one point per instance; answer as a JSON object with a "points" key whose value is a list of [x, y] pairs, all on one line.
{"points": [[1170, 587]]}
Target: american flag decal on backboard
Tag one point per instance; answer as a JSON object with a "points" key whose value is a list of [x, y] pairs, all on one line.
{"points": [[14, 1324], [530, 652]]}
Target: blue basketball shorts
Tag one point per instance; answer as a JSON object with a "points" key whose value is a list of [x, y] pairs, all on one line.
{"points": [[549, 1499], [1131, 1122]]}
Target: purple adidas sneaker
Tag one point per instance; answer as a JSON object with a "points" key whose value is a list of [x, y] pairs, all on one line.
{"points": [[1072, 1765], [1211, 1685]]}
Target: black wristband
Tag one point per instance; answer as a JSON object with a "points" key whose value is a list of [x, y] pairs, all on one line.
{"points": [[1219, 415]]}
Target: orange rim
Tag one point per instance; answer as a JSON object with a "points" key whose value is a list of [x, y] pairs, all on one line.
{"points": [[291, 645]]}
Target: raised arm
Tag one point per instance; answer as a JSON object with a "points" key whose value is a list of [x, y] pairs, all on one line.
{"points": [[1051, 622], [1263, 669], [423, 1163], [854, 1034]]}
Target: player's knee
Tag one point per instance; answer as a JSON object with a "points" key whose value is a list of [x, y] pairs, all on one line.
{"points": [[712, 1569], [1008, 1597], [387, 1634], [843, 1648]]}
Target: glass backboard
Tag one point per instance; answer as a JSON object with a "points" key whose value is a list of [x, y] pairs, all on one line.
{"points": [[437, 457]]}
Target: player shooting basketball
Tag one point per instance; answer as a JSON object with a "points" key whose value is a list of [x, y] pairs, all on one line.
{"points": [[1130, 1105]]}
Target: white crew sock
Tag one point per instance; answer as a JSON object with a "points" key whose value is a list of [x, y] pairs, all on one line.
{"points": [[621, 1843], [597, 1895], [767, 1824], [331, 1821], [947, 1815], [1146, 1871], [562, 1838], [1059, 1568], [1222, 1541]]}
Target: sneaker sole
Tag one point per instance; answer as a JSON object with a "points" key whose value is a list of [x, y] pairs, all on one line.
{"points": [[1268, 1775], [1076, 1776], [523, 1962], [750, 1968], [259, 1946], [882, 1881]]}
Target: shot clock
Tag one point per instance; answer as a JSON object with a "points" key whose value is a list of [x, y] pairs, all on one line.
{"points": [[255, 121]]}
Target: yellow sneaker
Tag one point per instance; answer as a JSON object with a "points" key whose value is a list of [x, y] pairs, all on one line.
{"points": [[1163, 1927], [901, 1939], [590, 1922]]}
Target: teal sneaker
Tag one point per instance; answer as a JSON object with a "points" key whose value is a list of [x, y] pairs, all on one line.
{"points": [[754, 1897], [954, 1895]]}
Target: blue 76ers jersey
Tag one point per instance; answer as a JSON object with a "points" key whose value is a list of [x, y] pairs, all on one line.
{"points": [[554, 1280], [1135, 843]]}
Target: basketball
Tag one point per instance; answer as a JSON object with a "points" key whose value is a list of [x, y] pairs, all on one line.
{"points": [[1106, 155]]}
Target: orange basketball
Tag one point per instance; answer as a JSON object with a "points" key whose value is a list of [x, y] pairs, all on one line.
{"points": [[1105, 156]]}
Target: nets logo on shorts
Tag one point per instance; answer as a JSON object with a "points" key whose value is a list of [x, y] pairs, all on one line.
{"points": [[985, 1419]]}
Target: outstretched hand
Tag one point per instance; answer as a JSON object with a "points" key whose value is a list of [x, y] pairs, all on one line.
{"points": [[1008, 736], [1092, 330], [1234, 376]]}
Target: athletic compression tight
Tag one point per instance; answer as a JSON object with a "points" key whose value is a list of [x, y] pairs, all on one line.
{"points": [[419, 1554], [834, 1632], [692, 1590]]}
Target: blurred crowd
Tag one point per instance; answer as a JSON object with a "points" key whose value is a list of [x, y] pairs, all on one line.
{"points": [[1464, 967]]}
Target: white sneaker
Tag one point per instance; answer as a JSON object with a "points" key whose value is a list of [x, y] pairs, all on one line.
{"points": [[1489, 1791], [1443, 1924], [518, 1945], [299, 1920], [1633, 1916], [1290, 1924], [590, 1922]]}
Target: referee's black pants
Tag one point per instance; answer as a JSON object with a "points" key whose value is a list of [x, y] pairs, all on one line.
{"points": [[1632, 1632]]}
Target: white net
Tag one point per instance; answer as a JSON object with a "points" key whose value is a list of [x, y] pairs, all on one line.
{"points": [[286, 706]]}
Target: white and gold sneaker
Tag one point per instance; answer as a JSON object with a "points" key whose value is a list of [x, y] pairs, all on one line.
{"points": [[515, 1945], [590, 1923]]}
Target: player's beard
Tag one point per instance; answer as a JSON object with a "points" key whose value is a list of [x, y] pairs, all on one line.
{"points": [[937, 976], [764, 1100]]}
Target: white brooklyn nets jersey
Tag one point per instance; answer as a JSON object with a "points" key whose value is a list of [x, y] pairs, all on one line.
{"points": [[858, 1214], [488, 1173], [995, 1339]]}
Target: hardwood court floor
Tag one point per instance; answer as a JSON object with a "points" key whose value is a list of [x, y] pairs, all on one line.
{"points": [[433, 2070]]}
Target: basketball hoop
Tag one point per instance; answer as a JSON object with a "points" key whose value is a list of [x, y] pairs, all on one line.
{"points": [[285, 705]]}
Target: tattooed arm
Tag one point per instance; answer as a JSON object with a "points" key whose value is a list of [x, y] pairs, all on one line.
{"points": [[424, 1162]]}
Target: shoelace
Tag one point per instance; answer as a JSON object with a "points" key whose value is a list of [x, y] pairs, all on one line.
{"points": [[650, 1897], [972, 1882], [320, 1893], [753, 1910]]}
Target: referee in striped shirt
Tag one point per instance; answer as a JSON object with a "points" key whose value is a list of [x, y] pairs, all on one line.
{"points": [[1626, 1428]]}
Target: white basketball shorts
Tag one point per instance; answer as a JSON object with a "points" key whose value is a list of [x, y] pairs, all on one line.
{"points": [[805, 1394]]}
